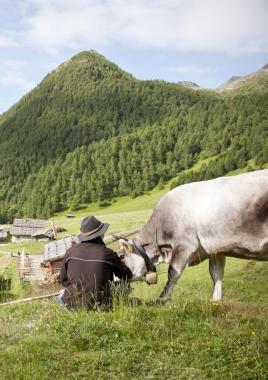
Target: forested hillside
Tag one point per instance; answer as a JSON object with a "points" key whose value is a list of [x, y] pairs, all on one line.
{"points": [[90, 132]]}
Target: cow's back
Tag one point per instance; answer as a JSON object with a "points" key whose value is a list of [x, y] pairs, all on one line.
{"points": [[224, 211]]}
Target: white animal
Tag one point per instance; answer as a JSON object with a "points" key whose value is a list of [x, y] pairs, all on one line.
{"points": [[227, 216]]}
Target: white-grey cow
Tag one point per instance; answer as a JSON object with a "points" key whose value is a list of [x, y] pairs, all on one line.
{"points": [[227, 216]]}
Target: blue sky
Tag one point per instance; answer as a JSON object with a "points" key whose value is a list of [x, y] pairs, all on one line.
{"points": [[205, 41]]}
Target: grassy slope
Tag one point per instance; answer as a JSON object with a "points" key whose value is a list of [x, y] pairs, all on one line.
{"points": [[186, 339], [189, 338], [248, 85]]}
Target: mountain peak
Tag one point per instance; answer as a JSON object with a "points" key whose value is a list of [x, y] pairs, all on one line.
{"points": [[94, 65], [86, 55], [250, 82], [189, 84], [265, 67], [234, 78]]}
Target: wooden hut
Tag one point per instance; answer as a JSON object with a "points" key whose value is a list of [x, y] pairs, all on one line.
{"points": [[55, 252], [30, 230], [4, 234]]}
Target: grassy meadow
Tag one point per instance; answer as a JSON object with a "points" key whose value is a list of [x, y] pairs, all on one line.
{"points": [[188, 338]]}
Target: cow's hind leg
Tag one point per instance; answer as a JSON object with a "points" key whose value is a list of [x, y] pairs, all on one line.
{"points": [[216, 270], [179, 260]]}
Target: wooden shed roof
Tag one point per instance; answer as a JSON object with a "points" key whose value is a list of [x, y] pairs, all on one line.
{"points": [[28, 227], [4, 228], [57, 249], [48, 233], [29, 223]]}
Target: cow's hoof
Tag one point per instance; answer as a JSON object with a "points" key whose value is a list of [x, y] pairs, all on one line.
{"points": [[162, 301]]}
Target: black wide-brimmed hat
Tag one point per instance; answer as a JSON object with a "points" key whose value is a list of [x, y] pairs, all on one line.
{"points": [[92, 228]]}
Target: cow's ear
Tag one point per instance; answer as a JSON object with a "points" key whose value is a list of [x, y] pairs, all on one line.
{"points": [[125, 245]]}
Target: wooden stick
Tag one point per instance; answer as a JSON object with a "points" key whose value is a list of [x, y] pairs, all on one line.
{"points": [[29, 299]]}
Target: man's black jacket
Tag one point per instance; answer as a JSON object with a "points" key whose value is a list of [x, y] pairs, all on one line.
{"points": [[87, 272]]}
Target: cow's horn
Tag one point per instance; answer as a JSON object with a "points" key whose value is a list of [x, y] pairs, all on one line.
{"points": [[118, 237]]}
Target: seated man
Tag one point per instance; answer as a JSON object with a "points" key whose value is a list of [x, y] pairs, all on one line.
{"points": [[88, 268]]}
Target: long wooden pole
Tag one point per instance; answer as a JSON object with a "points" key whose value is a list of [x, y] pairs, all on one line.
{"points": [[29, 299]]}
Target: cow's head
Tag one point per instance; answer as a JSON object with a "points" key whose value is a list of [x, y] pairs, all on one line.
{"points": [[137, 259]]}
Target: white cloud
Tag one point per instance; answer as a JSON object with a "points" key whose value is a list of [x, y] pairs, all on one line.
{"points": [[21, 64], [12, 74], [7, 42], [13, 79], [13, 64], [232, 26]]}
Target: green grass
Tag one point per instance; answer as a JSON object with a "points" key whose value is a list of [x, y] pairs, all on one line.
{"points": [[29, 247], [189, 338], [8, 269], [251, 163]]}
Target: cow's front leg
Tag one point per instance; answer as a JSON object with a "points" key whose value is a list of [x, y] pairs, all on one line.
{"points": [[179, 260], [216, 270]]}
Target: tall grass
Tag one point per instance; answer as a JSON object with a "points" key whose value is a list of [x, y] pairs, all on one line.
{"points": [[188, 338]]}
